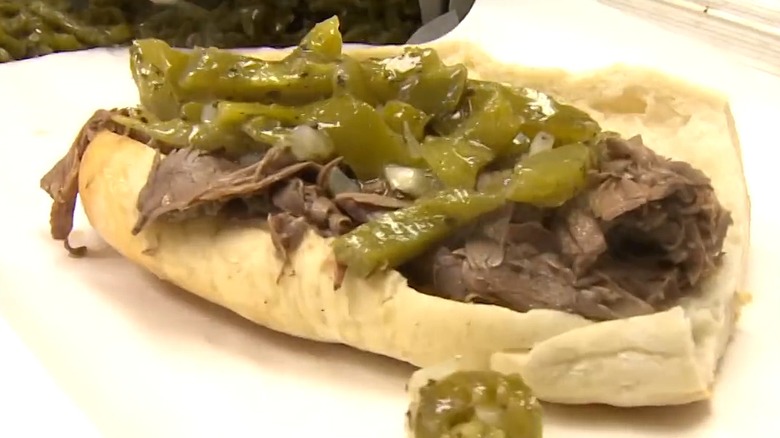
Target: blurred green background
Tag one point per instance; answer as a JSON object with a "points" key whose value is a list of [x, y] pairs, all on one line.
{"points": [[40, 27]]}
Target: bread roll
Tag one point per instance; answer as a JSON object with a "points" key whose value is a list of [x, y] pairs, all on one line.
{"points": [[666, 358]]}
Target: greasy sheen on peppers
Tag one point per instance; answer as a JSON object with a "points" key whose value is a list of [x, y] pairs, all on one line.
{"points": [[410, 116], [477, 404], [397, 237]]}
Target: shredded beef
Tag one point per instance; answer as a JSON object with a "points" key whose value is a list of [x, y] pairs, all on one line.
{"points": [[644, 232], [62, 181]]}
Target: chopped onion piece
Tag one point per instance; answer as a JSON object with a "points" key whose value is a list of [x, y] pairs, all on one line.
{"points": [[209, 112], [521, 140], [339, 182], [490, 415], [250, 159], [309, 144], [410, 180], [541, 142]]}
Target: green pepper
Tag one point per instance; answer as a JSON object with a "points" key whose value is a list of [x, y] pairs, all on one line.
{"points": [[418, 77], [540, 112], [551, 177], [265, 130], [218, 74], [397, 237], [477, 404], [92, 36], [401, 117], [240, 112], [492, 120], [456, 162], [178, 133], [360, 135], [436, 90], [13, 46], [193, 111], [350, 78], [60, 42], [155, 67], [323, 40]]}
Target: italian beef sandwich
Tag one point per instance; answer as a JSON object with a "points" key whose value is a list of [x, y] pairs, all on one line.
{"points": [[587, 232]]}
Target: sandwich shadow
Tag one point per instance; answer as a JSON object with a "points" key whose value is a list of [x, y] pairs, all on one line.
{"points": [[650, 420], [183, 319], [187, 321]]}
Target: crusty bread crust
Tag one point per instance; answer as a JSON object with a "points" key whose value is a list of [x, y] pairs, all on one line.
{"points": [[666, 358]]}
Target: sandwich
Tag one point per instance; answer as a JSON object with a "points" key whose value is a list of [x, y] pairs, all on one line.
{"points": [[586, 231]]}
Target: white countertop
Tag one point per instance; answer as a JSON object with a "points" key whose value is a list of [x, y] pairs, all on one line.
{"points": [[32, 405]]}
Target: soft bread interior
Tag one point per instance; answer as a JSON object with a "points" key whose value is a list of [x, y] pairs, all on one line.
{"points": [[666, 358]]}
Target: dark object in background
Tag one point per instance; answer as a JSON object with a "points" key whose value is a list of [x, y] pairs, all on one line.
{"points": [[35, 28]]}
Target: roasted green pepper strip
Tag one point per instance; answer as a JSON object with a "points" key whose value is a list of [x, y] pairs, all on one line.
{"points": [[13, 46], [193, 111], [401, 117], [398, 237], [323, 40], [265, 130], [387, 77], [360, 135], [436, 90], [218, 74], [552, 177], [492, 121], [304, 76], [240, 112], [456, 162], [496, 114], [350, 78], [155, 67], [477, 404], [205, 136], [566, 123]]}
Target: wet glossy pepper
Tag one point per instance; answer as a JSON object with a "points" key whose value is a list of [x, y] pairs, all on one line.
{"points": [[401, 116], [360, 135], [552, 177], [477, 404], [456, 162], [399, 236]]}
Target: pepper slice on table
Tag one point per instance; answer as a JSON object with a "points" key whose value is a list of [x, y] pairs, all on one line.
{"points": [[477, 404]]}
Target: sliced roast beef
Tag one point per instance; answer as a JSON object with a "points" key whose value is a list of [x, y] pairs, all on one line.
{"points": [[188, 180], [62, 181]]}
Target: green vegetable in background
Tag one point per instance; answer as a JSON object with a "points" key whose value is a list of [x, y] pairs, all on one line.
{"points": [[397, 237], [35, 28], [477, 404]]}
